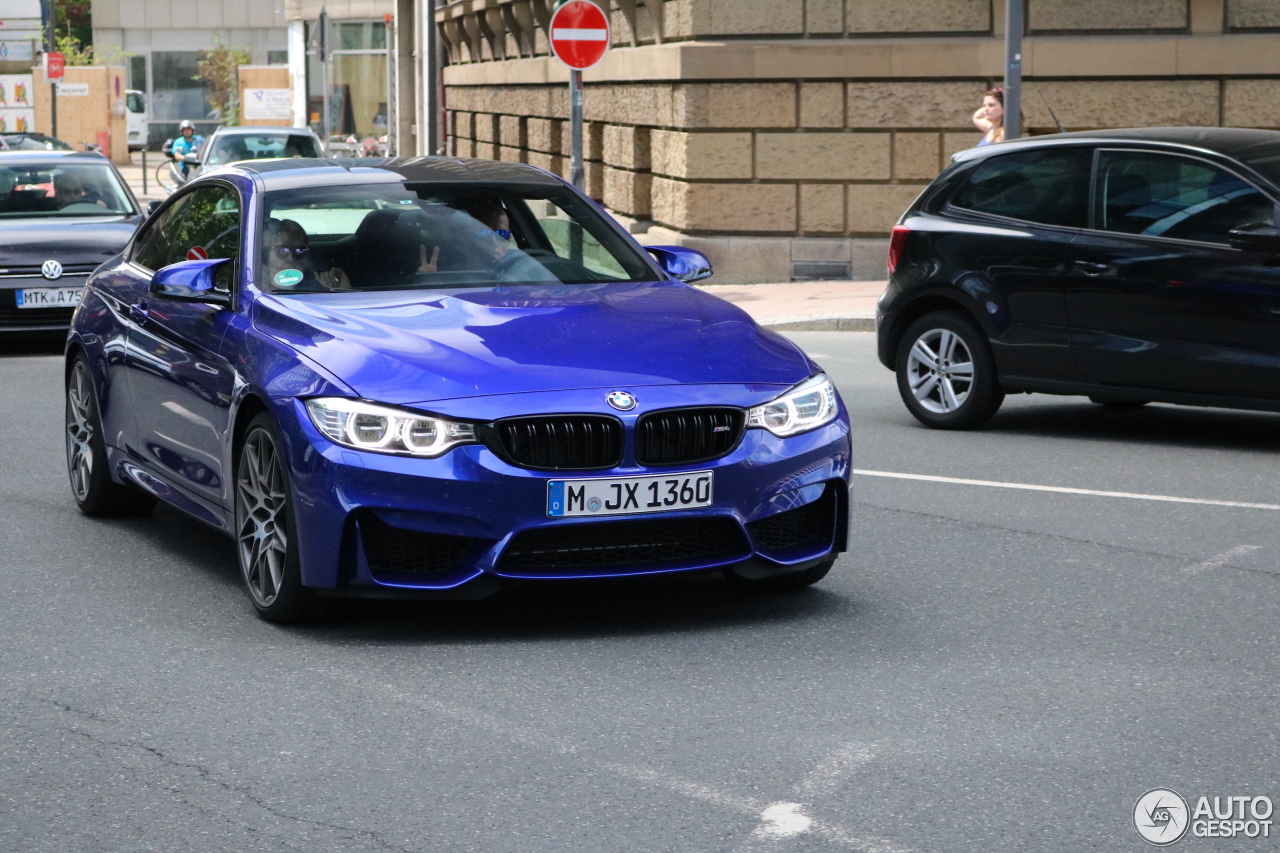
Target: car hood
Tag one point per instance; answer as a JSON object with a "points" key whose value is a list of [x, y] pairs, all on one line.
{"points": [[414, 348], [66, 239]]}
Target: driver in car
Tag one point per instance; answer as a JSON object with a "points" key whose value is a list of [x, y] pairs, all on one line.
{"points": [[69, 189], [288, 262]]}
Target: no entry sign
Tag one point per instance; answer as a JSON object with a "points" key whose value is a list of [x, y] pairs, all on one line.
{"points": [[579, 34]]}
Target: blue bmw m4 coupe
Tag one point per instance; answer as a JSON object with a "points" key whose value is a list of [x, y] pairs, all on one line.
{"points": [[428, 377]]}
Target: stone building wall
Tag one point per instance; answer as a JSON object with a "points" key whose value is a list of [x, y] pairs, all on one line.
{"points": [[789, 150]]}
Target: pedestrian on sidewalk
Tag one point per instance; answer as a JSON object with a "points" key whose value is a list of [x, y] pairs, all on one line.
{"points": [[989, 118]]}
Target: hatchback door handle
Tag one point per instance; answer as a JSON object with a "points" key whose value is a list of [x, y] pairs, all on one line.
{"points": [[1091, 268], [138, 313]]}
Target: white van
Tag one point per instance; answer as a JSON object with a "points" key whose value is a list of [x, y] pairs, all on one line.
{"points": [[136, 116]]}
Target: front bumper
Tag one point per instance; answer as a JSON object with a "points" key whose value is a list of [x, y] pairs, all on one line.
{"points": [[371, 523], [15, 319]]}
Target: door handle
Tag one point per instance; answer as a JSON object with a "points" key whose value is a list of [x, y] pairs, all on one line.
{"points": [[138, 313], [1091, 268]]}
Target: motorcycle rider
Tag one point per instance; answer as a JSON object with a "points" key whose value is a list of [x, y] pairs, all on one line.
{"points": [[188, 143]]}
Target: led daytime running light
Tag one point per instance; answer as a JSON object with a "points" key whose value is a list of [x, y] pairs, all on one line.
{"points": [[809, 405], [380, 429]]}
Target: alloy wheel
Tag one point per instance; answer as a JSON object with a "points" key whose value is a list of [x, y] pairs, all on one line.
{"points": [[262, 532], [940, 371], [80, 431]]}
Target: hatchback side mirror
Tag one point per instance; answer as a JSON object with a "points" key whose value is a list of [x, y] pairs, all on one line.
{"points": [[153, 206], [191, 281], [193, 159], [1257, 238], [686, 265]]}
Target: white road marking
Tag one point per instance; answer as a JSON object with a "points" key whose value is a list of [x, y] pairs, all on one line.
{"points": [[994, 484], [783, 820], [832, 769], [1219, 560], [540, 740]]}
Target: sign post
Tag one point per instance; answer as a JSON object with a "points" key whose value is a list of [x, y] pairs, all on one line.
{"points": [[54, 65], [580, 39], [1013, 24]]}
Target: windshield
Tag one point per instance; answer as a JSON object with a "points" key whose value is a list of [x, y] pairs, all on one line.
{"points": [[232, 148], [414, 236], [135, 101], [23, 142], [61, 190]]}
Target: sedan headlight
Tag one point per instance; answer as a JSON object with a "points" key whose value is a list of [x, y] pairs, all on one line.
{"points": [[380, 429], [810, 404]]}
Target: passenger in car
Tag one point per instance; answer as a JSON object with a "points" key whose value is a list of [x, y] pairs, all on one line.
{"points": [[287, 250], [494, 226], [395, 245]]}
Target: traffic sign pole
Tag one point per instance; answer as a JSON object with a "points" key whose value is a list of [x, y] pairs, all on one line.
{"points": [[579, 39], [577, 175], [54, 63]]}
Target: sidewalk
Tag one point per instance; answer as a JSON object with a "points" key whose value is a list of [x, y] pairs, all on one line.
{"points": [[812, 306], [844, 306], [133, 176]]}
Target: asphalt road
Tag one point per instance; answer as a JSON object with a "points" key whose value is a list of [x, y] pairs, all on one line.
{"points": [[988, 669]]}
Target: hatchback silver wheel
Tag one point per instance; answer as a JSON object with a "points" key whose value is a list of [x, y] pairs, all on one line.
{"points": [[262, 532], [940, 371], [80, 431]]}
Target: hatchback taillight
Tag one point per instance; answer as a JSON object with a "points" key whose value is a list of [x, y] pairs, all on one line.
{"points": [[897, 242]]}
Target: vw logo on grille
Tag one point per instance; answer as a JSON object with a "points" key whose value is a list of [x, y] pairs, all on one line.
{"points": [[621, 400], [51, 270]]}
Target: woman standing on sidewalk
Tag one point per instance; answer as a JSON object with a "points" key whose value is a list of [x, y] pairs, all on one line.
{"points": [[989, 117]]}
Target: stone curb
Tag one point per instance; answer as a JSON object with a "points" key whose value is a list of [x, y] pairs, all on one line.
{"points": [[821, 324]]}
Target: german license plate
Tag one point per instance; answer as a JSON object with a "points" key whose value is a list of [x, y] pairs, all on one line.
{"points": [[625, 495], [48, 297]]}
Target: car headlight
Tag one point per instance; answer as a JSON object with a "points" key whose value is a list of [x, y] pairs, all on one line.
{"points": [[810, 404], [380, 429]]}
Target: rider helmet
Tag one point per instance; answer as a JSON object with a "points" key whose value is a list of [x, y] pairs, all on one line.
{"points": [[185, 124]]}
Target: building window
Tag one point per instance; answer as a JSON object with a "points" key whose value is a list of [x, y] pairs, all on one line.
{"points": [[357, 79]]}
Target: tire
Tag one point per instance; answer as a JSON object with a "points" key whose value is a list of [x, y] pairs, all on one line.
{"points": [[782, 583], [166, 178], [266, 534], [95, 493], [939, 388], [1118, 405]]}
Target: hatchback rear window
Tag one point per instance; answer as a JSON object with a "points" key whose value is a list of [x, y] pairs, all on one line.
{"points": [[1048, 186]]}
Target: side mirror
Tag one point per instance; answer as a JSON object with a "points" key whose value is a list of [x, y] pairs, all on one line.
{"points": [[153, 206], [683, 264], [190, 281], [1257, 238], [193, 159]]}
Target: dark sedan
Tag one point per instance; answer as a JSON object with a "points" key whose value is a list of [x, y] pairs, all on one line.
{"points": [[63, 213], [1130, 266], [31, 142]]}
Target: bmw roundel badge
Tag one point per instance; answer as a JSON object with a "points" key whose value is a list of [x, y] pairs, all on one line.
{"points": [[51, 270], [621, 400]]}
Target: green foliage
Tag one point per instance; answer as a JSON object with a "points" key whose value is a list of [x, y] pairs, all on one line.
{"points": [[219, 69], [78, 53], [73, 19]]}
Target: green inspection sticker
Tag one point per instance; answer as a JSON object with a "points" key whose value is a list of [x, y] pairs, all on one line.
{"points": [[288, 278]]}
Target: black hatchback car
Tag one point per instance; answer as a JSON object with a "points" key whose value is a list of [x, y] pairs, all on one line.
{"points": [[1129, 266]]}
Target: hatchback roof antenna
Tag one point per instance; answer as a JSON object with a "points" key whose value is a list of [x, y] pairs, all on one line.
{"points": [[1061, 129]]}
